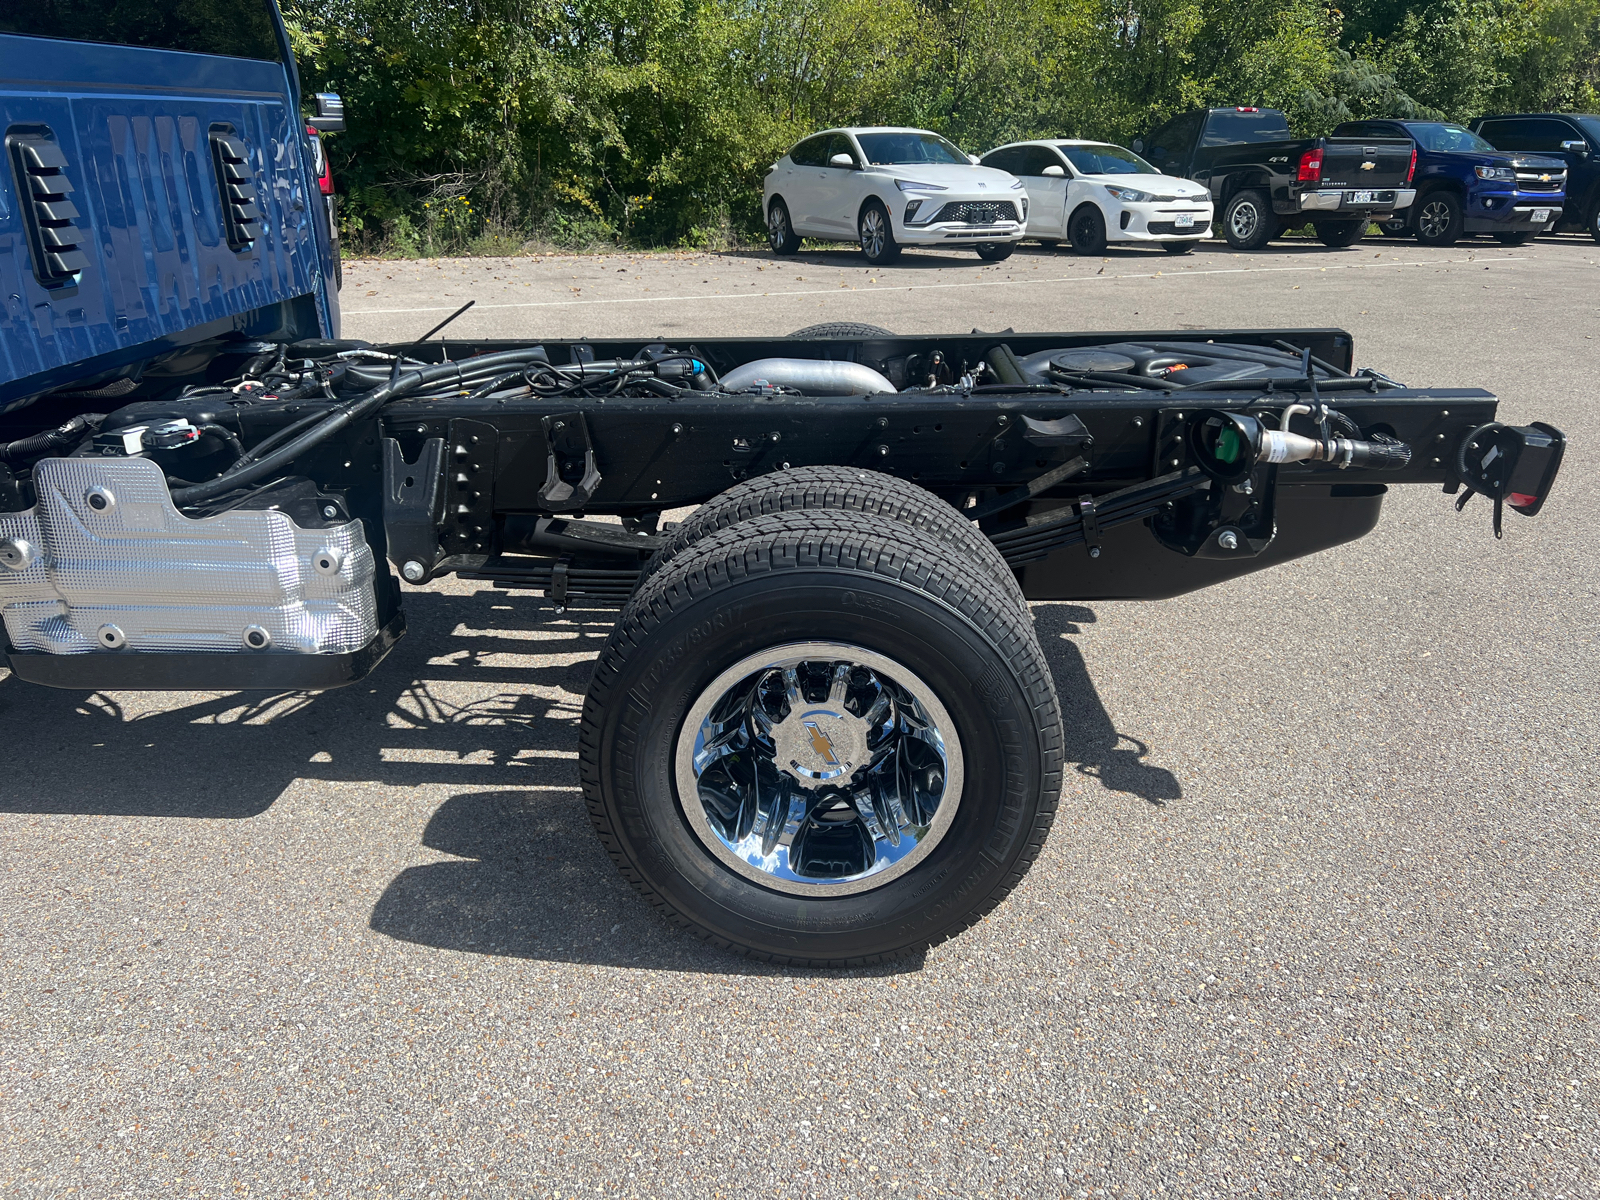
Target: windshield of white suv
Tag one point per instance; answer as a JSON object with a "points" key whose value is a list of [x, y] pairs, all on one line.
{"points": [[882, 149], [1106, 160], [1446, 139]]}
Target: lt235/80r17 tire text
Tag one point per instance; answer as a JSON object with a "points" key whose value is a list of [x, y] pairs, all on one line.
{"points": [[822, 738]]}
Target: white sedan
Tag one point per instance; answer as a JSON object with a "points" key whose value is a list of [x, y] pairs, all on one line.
{"points": [[889, 188], [1091, 193]]}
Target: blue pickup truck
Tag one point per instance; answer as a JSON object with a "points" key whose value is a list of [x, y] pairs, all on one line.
{"points": [[1571, 138], [164, 195], [823, 730], [1464, 185]]}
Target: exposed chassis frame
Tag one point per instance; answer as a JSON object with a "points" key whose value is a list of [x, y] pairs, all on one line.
{"points": [[1104, 502]]}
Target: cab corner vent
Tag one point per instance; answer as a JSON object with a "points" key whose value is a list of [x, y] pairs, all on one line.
{"points": [[51, 219], [241, 217]]}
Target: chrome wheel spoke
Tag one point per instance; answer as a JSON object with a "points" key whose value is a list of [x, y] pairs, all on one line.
{"points": [[790, 785]]}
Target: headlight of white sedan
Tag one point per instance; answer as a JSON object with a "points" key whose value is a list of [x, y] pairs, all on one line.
{"points": [[911, 185], [1129, 195]]}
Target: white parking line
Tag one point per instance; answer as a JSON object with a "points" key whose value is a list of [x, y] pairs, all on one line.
{"points": [[932, 287]]}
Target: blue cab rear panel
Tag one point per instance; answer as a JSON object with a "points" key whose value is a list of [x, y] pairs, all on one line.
{"points": [[134, 126]]}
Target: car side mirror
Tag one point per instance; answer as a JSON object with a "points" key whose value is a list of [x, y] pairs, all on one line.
{"points": [[1580, 148], [329, 117], [1054, 172], [975, 160], [1138, 145], [841, 160]]}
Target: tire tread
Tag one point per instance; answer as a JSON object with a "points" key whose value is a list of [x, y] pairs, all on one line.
{"points": [[848, 542]]}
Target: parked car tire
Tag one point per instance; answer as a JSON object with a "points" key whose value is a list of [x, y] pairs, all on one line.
{"points": [[877, 234], [842, 329], [1438, 221], [1520, 237], [1340, 233], [840, 613], [837, 489], [1087, 230], [1248, 221], [996, 252], [1186, 247], [1395, 228], [1594, 221], [780, 231]]}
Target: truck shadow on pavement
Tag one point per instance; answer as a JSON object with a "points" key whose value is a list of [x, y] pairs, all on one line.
{"points": [[527, 877], [1094, 747]]}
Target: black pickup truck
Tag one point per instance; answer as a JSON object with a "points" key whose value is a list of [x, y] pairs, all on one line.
{"points": [[1265, 182]]}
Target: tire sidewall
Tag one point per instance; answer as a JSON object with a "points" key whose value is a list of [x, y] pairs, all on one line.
{"points": [[1092, 217], [1265, 223], [1453, 232], [999, 742]]}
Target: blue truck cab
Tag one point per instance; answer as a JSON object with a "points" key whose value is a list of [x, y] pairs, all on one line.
{"points": [[158, 199], [1573, 139], [1465, 185]]}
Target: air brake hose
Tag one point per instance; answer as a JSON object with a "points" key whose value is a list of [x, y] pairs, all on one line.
{"points": [[355, 410]]}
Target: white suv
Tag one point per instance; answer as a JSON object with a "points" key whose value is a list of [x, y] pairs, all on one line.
{"points": [[1091, 193], [887, 188]]}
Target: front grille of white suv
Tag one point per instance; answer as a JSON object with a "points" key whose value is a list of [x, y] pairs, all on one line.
{"points": [[977, 212]]}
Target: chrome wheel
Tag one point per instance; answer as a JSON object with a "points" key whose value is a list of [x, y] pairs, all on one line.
{"points": [[819, 769], [874, 232], [1244, 221], [777, 227], [1434, 219]]}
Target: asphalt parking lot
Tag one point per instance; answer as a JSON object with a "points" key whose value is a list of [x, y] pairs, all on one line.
{"points": [[1319, 915]]}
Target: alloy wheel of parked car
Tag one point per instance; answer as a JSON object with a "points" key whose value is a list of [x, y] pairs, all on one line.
{"points": [[1088, 230], [780, 233], [1439, 219], [1248, 222], [877, 238]]}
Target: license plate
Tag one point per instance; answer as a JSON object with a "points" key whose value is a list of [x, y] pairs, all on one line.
{"points": [[1541, 215], [1361, 197], [1183, 221]]}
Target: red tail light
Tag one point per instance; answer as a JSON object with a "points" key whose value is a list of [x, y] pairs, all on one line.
{"points": [[1412, 169], [319, 162], [1310, 166]]}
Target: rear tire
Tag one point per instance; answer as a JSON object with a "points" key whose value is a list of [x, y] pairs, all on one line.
{"points": [[841, 329], [1438, 220], [780, 230], [1248, 221], [1087, 230], [838, 489], [1178, 247], [877, 234], [1520, 238], [1594, 221], [885, 602], [1340, 233], [998, 252], [1395, 229]]}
